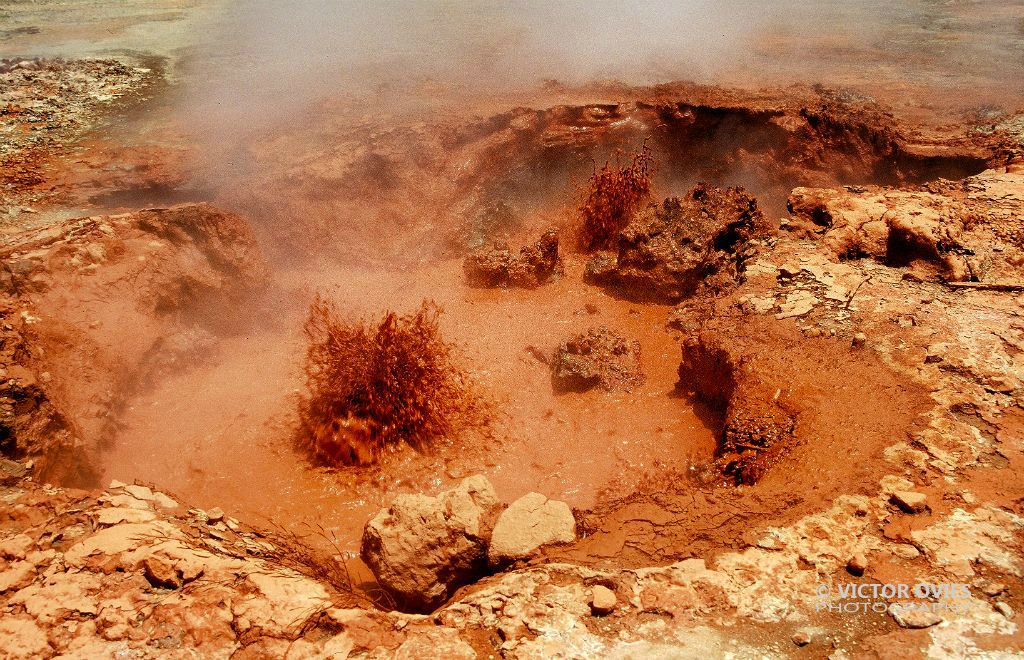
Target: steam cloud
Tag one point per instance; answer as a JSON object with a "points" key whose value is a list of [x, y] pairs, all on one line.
{"points": [[272, 56]]}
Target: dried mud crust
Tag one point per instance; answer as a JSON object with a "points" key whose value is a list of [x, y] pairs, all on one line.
{"points": [[503, 177], [94, 308], [46, 106]]}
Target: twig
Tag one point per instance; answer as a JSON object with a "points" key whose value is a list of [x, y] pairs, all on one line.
{"points": [[855, 290]]}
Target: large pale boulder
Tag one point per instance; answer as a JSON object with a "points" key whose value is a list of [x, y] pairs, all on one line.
{"points": [[422, 548], [527, 524]]}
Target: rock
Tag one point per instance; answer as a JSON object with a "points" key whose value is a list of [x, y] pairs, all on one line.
{"points": [[993, 588], [16, 547], [910, 501], [214, 515], [20, 574], [702, 240], [801, 638], [11, 472], [857, 564], [117, 515], [1004, 609], [600, 357], [21, 637], [913, 617], [602, 600], [161, 572], [534, 265], [163, 501], [142, 493], [905, 551], [287, 601], [421, 548], [797, 303], [527, 524], [789, 271], [860, 339]]}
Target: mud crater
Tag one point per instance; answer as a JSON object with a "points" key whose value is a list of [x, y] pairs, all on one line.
{"points": [[380, 220]]}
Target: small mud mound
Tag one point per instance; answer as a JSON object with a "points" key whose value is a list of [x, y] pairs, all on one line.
{"points": [[598, 358], [373, 387], [758, 427], [535, 264], [91, 306], [669, 251]]}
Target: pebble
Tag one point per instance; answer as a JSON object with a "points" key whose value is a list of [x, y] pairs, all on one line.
{"points": [[860, 339], [914, 618], [993, 588], [801, 638], [602, 600], [857, 564], [910, 501], [216, 514]]}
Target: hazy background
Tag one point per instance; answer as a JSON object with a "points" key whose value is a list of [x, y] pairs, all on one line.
{"points": [[268, 50]]}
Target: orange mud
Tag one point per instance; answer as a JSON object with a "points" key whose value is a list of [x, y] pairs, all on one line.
{"points": [[849, 407], [220, 434]]}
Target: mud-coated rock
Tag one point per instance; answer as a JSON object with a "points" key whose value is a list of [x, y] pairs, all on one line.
{"points": [[421, 548], [499, 266], [909, 616], [598, 357], [669, 250], [910, 501], [527, 524], [602, 600]]}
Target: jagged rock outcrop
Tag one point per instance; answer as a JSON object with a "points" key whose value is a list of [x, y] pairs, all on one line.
{"points": [[670, 250], [954, 231]]}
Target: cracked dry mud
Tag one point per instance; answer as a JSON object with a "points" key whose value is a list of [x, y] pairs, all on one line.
{"points": [[820, 383]]}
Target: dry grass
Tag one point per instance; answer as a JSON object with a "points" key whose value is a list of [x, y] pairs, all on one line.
{"points": [[612, 197], [380, 385], [318, 556]]}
